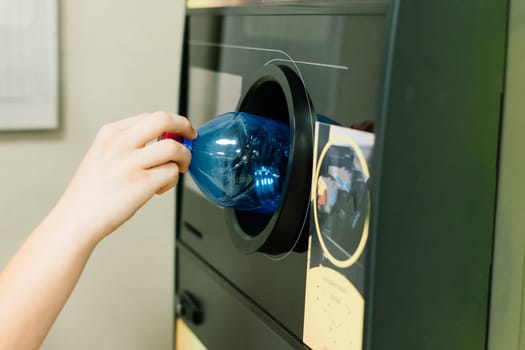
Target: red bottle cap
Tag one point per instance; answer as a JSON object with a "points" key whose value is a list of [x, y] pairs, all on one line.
{"points": [[170, 135]]}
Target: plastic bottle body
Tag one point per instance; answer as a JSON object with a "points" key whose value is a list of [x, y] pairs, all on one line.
{"points": [[239, 160]]}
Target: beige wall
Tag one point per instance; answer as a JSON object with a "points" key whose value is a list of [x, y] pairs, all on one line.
{"points": [[118, 58]]}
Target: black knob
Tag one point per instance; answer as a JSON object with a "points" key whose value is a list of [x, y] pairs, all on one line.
{"points": [[189, 308]]}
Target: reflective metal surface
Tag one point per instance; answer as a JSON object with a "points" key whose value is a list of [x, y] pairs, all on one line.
{"points": [[192, 4], [339, 61]]}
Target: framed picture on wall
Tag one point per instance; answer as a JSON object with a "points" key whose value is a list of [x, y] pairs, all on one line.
{"points": [[28, 64]]}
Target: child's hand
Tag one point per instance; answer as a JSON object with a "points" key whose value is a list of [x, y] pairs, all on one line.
{"points": [[120, 173]]}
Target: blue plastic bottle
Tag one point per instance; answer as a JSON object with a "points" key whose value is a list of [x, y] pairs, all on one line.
{"points": [[239, 161]]}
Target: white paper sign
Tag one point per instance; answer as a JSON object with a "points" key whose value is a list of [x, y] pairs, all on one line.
{"points": [[28, 64]]}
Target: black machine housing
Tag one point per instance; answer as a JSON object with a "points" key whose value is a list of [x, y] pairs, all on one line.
{"points": [[428, 75]]}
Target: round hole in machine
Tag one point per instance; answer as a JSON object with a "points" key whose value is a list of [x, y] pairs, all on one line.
{"points": [[276, 92]]}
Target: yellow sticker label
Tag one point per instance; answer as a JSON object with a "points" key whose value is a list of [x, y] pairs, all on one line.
{"points": [[340, 211], [186, 339], [334, 312]]}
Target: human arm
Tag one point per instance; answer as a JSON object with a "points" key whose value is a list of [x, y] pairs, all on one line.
{"points": [[116, 177]]}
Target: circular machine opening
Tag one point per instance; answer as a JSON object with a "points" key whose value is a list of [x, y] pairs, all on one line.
{"points": [[268, 100], [276, 92]]}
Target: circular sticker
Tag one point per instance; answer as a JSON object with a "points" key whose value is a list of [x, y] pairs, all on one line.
{"points": [[341, 202]]}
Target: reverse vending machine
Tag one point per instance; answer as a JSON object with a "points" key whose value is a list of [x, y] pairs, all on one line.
{"points": [[383, 235]]}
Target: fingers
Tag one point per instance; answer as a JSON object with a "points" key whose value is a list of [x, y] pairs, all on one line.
{"points": [[164, 189], [110, 132], [125, 123], [164, 151], [150, 127], [164, 177]]}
